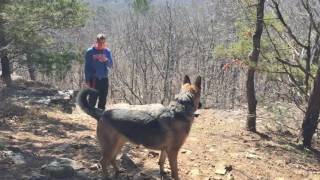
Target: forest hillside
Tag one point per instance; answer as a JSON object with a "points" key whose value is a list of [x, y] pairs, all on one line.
{"points": [[255, 71]]}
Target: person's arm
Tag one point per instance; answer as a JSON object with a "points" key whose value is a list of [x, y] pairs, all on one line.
{"points": [[109, 57], [88, 67]]}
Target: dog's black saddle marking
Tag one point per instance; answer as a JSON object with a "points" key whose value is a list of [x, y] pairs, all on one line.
{"points": [[141, 127]]}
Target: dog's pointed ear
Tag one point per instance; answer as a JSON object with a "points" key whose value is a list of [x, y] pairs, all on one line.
{"points": [[198, 82], [186, 80]]}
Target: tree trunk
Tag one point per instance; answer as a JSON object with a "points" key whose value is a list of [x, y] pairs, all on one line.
{"points": [[316, 51], [252, 102], [235, 75], [254, 56], [169, 61], [5, 65], [310, 121], [31, 69]]}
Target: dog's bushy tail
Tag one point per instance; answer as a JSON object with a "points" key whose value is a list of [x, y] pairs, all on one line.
{"points": [[84, 104]]}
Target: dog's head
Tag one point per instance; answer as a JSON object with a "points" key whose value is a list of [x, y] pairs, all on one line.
{"points": [[194, 89]]}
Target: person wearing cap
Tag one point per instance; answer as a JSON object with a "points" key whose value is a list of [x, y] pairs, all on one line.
{"points": [[98, 60]]}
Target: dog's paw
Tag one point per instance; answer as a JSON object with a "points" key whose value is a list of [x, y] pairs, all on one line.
{"points": [[119, 171], [105, 174], [164, 173]]}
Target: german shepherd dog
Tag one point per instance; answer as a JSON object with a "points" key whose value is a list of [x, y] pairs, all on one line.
{"points": [[164, 129]]}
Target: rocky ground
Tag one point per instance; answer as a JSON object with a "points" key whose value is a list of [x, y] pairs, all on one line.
{"points": [[44, 139]]}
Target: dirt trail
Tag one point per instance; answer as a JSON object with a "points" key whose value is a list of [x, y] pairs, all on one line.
{"points": [[32, 136]]}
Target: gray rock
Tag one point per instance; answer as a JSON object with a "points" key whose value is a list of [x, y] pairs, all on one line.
{"points": [[94, 167], [127, 162], [37, 176], [79, 146], [14, 149], [61, 168], [83, 175], [17, 158], [222, 168], [144, 176], [61, 148]]}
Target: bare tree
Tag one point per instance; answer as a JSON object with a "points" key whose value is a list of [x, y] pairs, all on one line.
{"points": [[311, 118], [254, 57], [5, 64], [305, 55]]}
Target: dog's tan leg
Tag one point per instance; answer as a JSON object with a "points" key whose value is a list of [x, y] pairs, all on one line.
{"points": [[114, 162], [104, 161], [115, 167], [109, 157], [161, 162], [173, 155], [116, 151]]}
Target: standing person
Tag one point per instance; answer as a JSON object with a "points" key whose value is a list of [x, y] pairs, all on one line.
{"points": [[98, 61]]}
